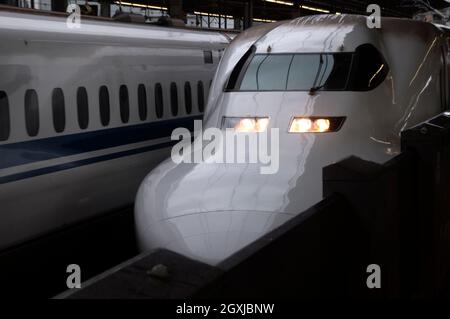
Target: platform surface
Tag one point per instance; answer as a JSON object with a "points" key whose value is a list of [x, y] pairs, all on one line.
{"points": [[134, 279]]}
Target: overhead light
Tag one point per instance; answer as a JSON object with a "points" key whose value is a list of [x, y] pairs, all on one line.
{"points": [[263, 20], [314, 9], [212, 14], [287, 3], [140, 5]]}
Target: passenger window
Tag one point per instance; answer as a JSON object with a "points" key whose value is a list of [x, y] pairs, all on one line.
{"points": [[200, 96], [5, 124], [447, 75], [104, 105], [124, 104], [142, 102], [159, 101], [31, 113], [174, 98], [443, 81], [208, 57], [82, 108], [58, 110], [188, 97]]}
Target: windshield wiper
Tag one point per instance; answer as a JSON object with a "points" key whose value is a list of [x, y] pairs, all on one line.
{"points": [[316, 88]]}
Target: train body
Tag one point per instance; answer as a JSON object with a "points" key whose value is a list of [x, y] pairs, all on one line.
{"points": [[333, 87], [86, 112]]}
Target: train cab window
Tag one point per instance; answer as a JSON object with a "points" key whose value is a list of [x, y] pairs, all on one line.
{"points": [[369, 69], [200, 96], [124, 102], [159, 101], [58, 110], [304, 69], [5, 122], [267, 72], [142, 102], [31, 112], [361, 70], [104, 105], [82, 108], [188, 97], [238, 72], [174, 98]]}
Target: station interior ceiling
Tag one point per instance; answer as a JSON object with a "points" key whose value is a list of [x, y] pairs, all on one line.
{"points": [[241, 14], [286, 9]]}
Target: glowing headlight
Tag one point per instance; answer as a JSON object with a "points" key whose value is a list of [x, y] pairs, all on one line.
{"points": [[316, 124], [246, 124]]}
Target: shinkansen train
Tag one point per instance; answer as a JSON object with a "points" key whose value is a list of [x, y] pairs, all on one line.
{"points": [[87, 110], [332, 86]]}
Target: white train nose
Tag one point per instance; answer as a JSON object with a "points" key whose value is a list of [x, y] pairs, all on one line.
{"points": [[209, 237]]}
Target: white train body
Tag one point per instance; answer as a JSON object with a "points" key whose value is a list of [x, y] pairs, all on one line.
{"points": [[63, 156], [398, 79]]}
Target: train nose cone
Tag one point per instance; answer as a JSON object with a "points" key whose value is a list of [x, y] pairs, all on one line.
{"points": [[209, 237]]}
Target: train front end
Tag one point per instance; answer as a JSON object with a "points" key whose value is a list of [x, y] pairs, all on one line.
{"points": [[310, 92]]}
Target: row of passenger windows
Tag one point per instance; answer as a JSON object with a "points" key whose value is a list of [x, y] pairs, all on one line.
{"points": [[59, 109]]}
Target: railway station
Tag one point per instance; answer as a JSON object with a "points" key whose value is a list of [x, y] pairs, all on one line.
{"points": [[222, 150]]}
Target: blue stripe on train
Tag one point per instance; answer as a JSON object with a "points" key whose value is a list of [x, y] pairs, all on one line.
{"points": [[65, 166], [15, 154]]}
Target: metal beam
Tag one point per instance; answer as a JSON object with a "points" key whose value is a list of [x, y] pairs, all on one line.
{"points": [[59, 5], [176, 9]]}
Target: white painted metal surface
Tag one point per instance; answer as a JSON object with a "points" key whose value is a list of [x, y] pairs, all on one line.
{"points": [[209, 211], [52, 180]]}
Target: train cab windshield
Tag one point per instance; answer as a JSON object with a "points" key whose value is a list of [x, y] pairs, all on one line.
{"points": [[362, 70]]}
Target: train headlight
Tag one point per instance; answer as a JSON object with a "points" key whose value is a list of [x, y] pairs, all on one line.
{"points": [[246, 124], [316, 124]]}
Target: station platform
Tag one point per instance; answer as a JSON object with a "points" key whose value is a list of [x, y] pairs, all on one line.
{"points": [[37, 269]]}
